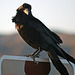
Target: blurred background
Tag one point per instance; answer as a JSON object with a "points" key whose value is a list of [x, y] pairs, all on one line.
{"points": [[57, 15]]}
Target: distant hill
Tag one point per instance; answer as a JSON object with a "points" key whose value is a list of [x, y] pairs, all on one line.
{"points": [[14, 45]]}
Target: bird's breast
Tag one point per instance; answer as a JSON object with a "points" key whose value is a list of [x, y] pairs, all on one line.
{"points": [[28, 37], [18, 27]]}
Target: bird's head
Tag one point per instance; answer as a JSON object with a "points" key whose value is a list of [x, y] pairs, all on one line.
{"points": [[25, 8], [22, 15]]}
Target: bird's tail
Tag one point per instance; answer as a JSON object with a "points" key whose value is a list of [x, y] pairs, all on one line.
{"points": [[59, 51], [56, 62]]}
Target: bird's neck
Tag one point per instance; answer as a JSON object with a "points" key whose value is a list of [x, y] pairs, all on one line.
{"points": [[31, 16]]}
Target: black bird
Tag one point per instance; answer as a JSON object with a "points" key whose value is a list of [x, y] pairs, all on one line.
{"points": [[37, 35]]}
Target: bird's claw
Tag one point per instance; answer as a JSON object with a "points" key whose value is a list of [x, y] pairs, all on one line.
{"points": [[36, 62], [33, 57]]}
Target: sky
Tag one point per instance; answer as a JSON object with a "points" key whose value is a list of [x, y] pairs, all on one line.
{"points": [[55, 14]]}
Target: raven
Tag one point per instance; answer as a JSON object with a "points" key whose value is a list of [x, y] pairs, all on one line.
{"points": [[38, 36]]}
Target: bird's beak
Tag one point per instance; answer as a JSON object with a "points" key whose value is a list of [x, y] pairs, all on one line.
{"points": [[26, 11]]}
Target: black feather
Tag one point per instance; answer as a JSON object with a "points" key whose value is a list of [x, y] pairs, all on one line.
{"points": [[37, 35], [56, 62]]}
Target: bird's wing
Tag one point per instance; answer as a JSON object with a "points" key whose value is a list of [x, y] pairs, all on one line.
{"points": [[54, 36], [40, 27]]}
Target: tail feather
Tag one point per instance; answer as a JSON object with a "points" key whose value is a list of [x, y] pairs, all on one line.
{"points": [[69, 58], [57, 63], [63, 54]]}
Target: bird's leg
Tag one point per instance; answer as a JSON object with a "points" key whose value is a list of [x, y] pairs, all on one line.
{"points": [[36, 54], [31, 55]]}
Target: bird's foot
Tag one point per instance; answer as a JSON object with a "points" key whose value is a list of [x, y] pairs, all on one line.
{"points": [[34, 60], [33, 57]]}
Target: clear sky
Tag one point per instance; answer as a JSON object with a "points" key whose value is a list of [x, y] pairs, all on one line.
{"points": [[55, 14]]}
